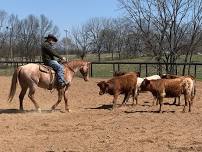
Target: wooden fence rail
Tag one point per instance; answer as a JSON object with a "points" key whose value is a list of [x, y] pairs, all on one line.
{"points": [[145, 68]]}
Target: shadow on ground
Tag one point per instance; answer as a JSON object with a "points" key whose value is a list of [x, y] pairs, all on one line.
{"points": [[14, 111]]}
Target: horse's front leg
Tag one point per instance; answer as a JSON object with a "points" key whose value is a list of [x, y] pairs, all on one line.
{"points": [[60, 94], [66, 100]]}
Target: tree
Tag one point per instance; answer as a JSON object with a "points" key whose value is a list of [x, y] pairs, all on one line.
{"points": [[81, 40], [95, 27], [163, 24]]}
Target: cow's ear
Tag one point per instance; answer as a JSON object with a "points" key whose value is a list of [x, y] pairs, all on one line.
{"points": [[110, 85], [100, 83], [163, 76], [115, 73], [138, 74], [106, 84]]}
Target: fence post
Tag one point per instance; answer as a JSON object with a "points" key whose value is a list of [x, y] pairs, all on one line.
{"points": [[140, 66], [118, 67], [91, 69], [176, 69], [146, 71], [113, 67], [189, 69], [195, 71]]}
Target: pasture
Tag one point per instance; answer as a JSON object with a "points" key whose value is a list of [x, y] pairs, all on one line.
{"points": [[91, 126]]}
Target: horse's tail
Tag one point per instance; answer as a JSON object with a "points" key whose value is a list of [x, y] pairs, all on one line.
{"points": [[13, 84]]}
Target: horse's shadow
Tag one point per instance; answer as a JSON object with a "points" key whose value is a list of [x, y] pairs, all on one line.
{"points": [[16, 111], [10, 111]]}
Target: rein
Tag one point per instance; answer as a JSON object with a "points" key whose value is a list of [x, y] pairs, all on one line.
{"points": [[71, 69]]}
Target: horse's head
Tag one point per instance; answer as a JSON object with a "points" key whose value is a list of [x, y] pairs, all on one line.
{"points": [[78, 65], [84, 70]]}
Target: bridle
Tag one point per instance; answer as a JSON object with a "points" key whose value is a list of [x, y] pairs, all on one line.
{"points": [[71, 69]]}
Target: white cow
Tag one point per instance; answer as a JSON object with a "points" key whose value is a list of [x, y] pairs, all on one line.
{"points": [[139, 82]]}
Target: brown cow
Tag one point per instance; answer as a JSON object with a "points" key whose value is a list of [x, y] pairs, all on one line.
{"points": [[170, 76], [162, 88], [119, 73], [124, 84]]}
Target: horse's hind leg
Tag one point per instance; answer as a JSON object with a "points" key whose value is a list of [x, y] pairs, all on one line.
{"points": [[31, 96], [21, 97], [60, 94], [66, 101]]}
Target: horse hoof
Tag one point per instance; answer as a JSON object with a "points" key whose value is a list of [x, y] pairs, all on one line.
{"points": [[53, 110], [39, 110], [21, 110], [68, 110]]}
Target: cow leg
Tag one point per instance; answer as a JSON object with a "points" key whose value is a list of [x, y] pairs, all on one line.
{"points": [[60, 94], [31, 96], [135, 96], [126, 97], [114, 101], [175, 101], [178, 101], [160, 102], [155, 101], [190, 104], [185, 98]]}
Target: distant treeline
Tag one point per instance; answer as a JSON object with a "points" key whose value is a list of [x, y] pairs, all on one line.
{"points": [[162, 29]]}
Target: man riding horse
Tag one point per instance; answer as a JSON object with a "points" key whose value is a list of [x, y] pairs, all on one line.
{"points": [[48, 55]]}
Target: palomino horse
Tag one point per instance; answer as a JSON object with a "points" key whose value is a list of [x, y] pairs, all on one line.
{"points": [[30, 76]]}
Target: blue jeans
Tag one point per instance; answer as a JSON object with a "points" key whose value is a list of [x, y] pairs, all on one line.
{"points": [[59, 69]]}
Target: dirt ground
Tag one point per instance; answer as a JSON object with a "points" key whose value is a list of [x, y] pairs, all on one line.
{"points": [[92, 127]]}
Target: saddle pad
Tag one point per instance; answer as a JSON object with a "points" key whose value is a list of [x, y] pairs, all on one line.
{"points": [[46, 69]]}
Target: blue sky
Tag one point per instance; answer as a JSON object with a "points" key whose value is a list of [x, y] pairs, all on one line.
{"points": [[64, 13]]}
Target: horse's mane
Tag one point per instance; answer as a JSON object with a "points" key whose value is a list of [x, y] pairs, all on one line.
{"points": [[74, 63]]}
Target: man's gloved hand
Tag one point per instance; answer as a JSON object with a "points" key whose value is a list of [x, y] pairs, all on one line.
{"points": [[63, 58]]}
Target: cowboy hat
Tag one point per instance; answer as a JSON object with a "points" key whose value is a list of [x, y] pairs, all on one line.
{"points": [[52, 37]]}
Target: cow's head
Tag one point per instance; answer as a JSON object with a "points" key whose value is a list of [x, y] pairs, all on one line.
{"points": [[144, 85], [118, 73], [103, 87], [137, 74]]}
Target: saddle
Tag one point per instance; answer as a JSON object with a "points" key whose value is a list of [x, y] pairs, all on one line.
{"points": [[50, 71]]}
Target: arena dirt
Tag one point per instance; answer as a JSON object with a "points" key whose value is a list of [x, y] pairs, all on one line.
{"points": [[92, 127]]}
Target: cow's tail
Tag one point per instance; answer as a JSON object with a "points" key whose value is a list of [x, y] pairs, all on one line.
{"points": [[13, 84], [193, 92]]}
